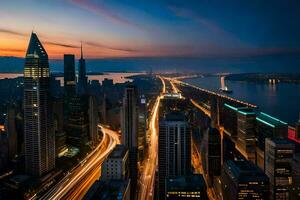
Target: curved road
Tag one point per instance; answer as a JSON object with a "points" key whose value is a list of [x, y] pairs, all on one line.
{"points": [[76, 183]]}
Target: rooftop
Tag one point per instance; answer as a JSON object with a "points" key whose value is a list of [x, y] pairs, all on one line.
{"points": [[270, 120], [118, 152], [186, 183]]}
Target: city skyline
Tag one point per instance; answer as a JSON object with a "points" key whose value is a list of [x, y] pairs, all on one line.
{"points": [[152, 29], [168, 130]]}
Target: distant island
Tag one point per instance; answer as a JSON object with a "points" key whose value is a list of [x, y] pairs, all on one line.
{"points": [[265, 77]]}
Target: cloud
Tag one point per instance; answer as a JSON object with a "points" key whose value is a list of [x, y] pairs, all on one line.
{"points": [[12, 32], [95, 44], [12, 50], [100, 10], [62, 44]]}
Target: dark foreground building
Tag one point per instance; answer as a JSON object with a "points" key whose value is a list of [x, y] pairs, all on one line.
{"points": [[244, 180], [186, 187]]}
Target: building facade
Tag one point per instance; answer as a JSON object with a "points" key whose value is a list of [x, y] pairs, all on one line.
{"points": [[38, 131]]}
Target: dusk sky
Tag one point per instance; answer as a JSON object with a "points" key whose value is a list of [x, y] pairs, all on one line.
{"points": [[147, 28]]}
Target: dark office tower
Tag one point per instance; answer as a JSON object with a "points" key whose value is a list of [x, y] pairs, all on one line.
{"points": [[129, 127], [213, 154], [174, 149], [230, 120], [243, 180], [214, 112], [268, 127], [279, 154], [93, 120], [142, 128], [69, 75], [78, 121], [11, 132], [186, 187], [39, 136], [82, 78], [246, 140]]}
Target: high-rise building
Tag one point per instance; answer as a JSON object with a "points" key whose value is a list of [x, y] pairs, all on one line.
{"points": [[246, 140], [109, 190], [78, 121], [129, 128], [186, 187], [142, 128], [11, 130], [82, 78], [243, 180], [38, 132], [93, 120], [212, 155], [267, 127], [115, 167], [174, 149], [69, 76], [279, 154]]}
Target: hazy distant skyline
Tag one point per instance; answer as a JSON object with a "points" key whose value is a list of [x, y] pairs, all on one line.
{"points": [[128, 28]]}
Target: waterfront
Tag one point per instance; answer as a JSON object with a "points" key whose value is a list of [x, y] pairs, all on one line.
{"points": [[280, 100], [117, 77]]}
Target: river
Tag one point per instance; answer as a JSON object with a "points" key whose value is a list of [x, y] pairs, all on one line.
{"points": [[282, 100]]}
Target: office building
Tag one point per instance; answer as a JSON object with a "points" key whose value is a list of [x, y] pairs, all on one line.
{"points": [[78, 121], [11, 130], [109, 190], [82, 78], [174, 149], [246, 140], [267, 127], [93, 120], [115, 167], [142, 128], [213, 157], [186, 187], [279, 154], [58, 126], [69, 76], [229, 120], [243, 180], [129, 128], [38, 131]]}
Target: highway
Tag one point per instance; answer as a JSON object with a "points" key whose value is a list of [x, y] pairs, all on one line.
{"points": [[147, 178], [76, 183]]}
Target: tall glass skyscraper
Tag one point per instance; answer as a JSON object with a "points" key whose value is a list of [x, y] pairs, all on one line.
{"points": [[38, 132]]}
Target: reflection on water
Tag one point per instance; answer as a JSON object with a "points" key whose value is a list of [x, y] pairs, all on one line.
{"points": [[281, 100]]}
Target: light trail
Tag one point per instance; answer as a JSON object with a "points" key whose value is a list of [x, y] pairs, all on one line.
{"points": [[75, 184], [148, 174]]}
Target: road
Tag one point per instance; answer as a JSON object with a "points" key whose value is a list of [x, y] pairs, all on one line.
{"points": [[147, 179], [196, 157], [76, 183]]}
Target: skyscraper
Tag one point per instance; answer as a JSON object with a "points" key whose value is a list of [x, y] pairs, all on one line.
{"points": [[174, 149], [39, 136], [69, 76], [246, 140], [142, 128], [213, 154], [129, 127], [279, 154], [82, 78], [243, 180]]}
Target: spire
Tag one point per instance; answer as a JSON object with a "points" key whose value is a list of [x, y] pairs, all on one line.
{"points": [[81, 50], [35, 46]]}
